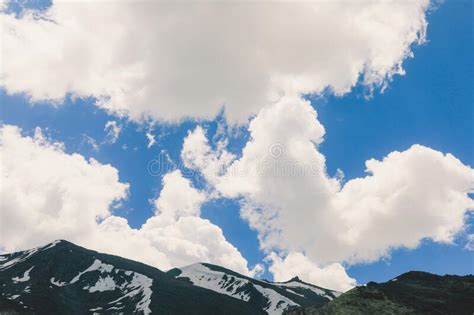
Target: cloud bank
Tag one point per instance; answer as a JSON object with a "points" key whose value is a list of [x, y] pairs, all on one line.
{"points": [[75, 202], [173, 60]]}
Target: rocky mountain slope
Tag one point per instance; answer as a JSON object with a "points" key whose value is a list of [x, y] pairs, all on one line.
{"points": [[273, 298], [410, 293], [62, 278]]}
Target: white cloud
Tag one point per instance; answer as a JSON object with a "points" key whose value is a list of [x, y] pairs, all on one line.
{"points": [[332, 276], [166, 242], [45, 192], [410, 195], [171, 60], [49, 194], [176, 231], [151, 139], [197, 154], [470, 242], [178, 198], [297, 207], [113, 130], [91, 142], [257, 271]]}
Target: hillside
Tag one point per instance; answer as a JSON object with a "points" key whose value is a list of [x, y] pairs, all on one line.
{"points": [[410, 293]]}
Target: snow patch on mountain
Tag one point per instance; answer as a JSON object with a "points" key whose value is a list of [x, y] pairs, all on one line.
{"points": [[16, 258], [277, 303], [50, 245], [140, 286], [103, 284], [297, 284], [293, 292], [24, 278], [57, 282], [217, 281], [95, 309], [96, 265]]}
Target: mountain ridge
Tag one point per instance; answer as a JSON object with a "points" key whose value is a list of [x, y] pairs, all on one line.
{"points": [[63, 285], [273, 297], [64, 278]]}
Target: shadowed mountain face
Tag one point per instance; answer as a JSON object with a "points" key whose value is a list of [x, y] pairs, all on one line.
{"points": [[410, 293], [62, 278]]}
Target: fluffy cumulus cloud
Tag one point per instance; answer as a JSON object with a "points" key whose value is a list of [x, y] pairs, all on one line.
{"points": [[178, 198], [332, 276], [74, 200], [296, 207], [39, 202], [197, 154], [171, 60]]}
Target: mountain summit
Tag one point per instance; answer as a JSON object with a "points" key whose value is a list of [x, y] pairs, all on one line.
{"points": [[63, 278], [272, 297]]}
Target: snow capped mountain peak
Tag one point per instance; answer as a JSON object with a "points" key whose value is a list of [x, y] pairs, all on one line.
{"points": [[63, 278], [28, 269], [273, 298]]}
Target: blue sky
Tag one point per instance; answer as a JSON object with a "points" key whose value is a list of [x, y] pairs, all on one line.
{"points": [[432, 105]]}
